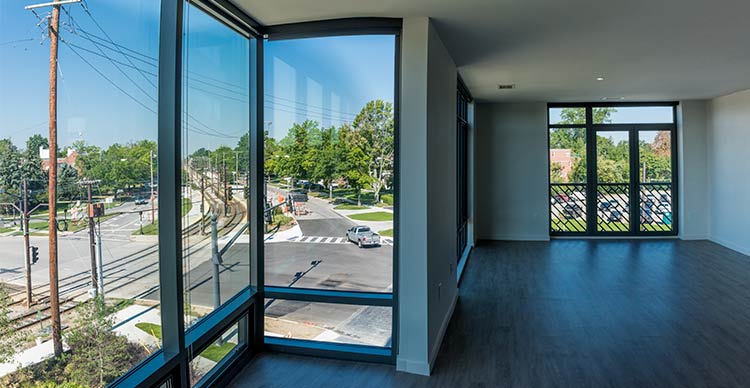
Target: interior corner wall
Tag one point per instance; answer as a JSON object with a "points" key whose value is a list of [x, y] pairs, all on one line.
{"points": [[692, 138], [427, 287], [511, 176], [442, 196], [729, 170], [412, 266]]}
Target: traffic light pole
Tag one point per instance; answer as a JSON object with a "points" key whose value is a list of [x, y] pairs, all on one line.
{"points": [[26, 245]]}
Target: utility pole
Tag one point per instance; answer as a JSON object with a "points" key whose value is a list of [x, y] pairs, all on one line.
{"points": [[26, 245], [226, 191], [100, 272], [215, 261], [54, 296], [203, 193], [151, 188], [92, 240]]}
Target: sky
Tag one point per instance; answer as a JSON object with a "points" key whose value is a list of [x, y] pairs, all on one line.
{"points": [[101, 102]]}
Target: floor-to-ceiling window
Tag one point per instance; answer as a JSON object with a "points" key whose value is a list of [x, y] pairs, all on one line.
{"points": [[462, 166], [330, 191], [627, 185]]}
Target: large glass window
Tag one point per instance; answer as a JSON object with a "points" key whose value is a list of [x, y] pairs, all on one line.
{"points": [[567, 176], [107, 184], [627, 188], [329, 165], [215, 164]]}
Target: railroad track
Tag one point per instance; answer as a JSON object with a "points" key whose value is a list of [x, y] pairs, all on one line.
{"points": [[74, 287]]}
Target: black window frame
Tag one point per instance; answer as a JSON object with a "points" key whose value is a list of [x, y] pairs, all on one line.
{"points": [[463, 98], [170, 365], [634, 153], [386, 355]]}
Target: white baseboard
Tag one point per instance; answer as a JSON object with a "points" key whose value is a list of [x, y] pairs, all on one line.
{"points": [[731, 245], [441, 334], [410, 366], [515, 237]]}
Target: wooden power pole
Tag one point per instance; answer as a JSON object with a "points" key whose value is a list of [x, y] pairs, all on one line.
{"points": [[53, 28], [54, 296]]}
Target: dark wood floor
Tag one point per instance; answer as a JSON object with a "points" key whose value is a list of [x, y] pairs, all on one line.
{"points": [[572, 313]]}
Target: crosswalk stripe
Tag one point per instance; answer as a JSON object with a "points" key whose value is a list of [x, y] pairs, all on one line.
{"points": [[329, 240]]}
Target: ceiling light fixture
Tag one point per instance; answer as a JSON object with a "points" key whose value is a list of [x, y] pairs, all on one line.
{"points": [[612, 98], [600, 78]]}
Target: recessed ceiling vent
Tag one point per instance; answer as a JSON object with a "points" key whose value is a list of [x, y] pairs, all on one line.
{"points": [[506, 86]]}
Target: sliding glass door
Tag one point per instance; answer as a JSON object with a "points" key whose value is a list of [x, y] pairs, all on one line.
{"points": [[627, 188]]}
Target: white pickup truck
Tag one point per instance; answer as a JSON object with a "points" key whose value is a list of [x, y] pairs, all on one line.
{"points": [[363, 236]]}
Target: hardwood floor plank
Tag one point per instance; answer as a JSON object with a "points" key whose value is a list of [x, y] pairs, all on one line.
{"points": [[572, 313]]}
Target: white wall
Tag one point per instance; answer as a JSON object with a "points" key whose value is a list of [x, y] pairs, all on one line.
{"points": [[442, 198], [511, 173], [729, 170], [427, 240], [412, 291], [692, 138]]}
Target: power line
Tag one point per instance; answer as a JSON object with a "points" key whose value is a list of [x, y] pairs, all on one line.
{"points": [[311, 105], [86, 9], [110, 59], [107, 78]]}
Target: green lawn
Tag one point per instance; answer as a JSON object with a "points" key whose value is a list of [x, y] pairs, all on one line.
{"points": [[386, 233], [374, 216], [153, 229], [214, 352], [6, 230], [150, 328], [579, 225], [346, 206]]}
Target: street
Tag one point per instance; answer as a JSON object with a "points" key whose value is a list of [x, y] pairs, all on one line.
{"points": [[131, 272]]}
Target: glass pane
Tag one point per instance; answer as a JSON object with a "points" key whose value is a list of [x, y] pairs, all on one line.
{"points": [[567, 116], [215, 163], [633, 115], [106, 156], [363, 325], [613, 177], [567, 156], [204, 362], [655, 173], [329, 152]]}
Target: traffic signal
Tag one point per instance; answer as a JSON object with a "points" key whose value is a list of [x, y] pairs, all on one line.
{"points": [[230, 196], [34, 255]]}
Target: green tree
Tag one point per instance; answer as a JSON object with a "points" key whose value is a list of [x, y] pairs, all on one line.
{"points": [[555, 173], [10, 174], [296, 147], [97, 355], [325, 167], [354, 162], [31, 168], [375, 123], [9, 337]]}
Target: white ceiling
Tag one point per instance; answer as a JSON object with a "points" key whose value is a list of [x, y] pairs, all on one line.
{"points": [[553, 50]]}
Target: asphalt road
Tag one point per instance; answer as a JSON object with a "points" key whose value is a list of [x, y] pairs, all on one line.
{"points": [[131, 270]]}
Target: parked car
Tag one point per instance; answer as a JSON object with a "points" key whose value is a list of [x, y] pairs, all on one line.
{"points": [[298, 195], [363, 236], [611, 204], [614, 216], [572, 211], [141, 200]]}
